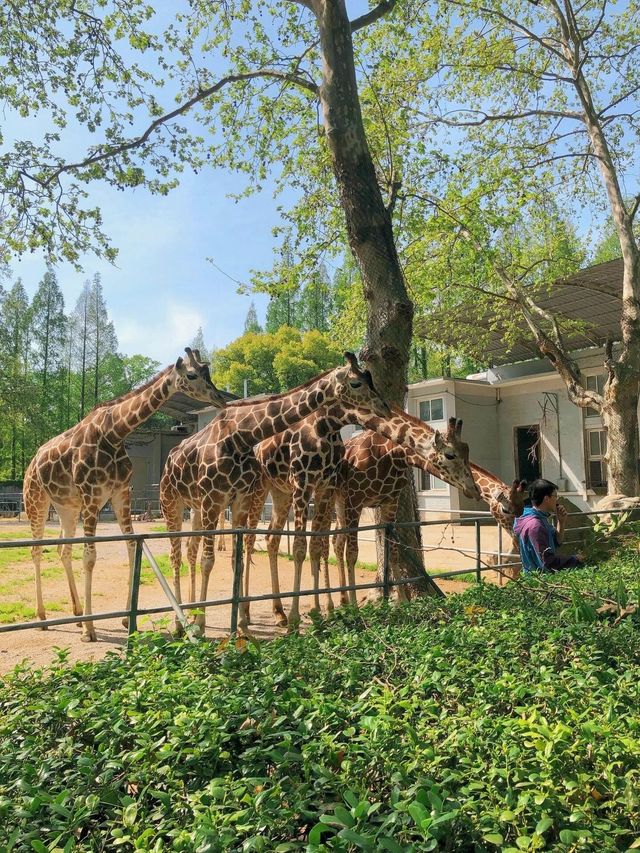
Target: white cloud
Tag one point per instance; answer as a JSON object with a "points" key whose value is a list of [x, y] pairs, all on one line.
{"points": [[161, 334]]}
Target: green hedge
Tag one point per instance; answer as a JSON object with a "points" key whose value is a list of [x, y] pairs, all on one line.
{"points": [[502, 719]]}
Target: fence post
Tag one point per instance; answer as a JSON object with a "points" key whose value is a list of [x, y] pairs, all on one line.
{"points": [[478, 562], [499, 544], [386, 566], [237, 580], [135, 587]]}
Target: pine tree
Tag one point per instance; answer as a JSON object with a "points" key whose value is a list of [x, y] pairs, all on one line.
{"points": [[316, 302], [93, 339], [48, 339], [199, 344], [15, 387], [251, 323]]}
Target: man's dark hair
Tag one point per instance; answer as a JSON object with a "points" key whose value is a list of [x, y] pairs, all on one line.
{"points": [[540, 489]]}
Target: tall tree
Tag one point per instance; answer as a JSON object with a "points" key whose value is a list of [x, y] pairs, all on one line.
{"points": [[251, 323], [16, 386], [94, 339], [315, 305], [260, 87], [550, 94], [48, 337], [198, 344]]}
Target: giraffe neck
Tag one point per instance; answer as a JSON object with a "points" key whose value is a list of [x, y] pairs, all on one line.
{"points": [[402, 429], [250, 424], [121, 416], [491, 487]]}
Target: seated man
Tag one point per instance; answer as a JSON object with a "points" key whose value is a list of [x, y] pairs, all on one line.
{"points": [[537, 537]]}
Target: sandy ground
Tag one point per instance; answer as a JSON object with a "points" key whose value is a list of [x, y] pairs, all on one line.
{"points": [[109, 594]]}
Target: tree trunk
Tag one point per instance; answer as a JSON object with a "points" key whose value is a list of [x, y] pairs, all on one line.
{"points": [[369, 228], [620, 417]]}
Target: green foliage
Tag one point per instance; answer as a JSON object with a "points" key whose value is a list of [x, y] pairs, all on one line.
{"points": [[53, 368], [274, 362], [501, 719]]}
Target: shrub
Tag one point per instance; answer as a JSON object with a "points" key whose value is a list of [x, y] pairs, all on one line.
{"points": [[502, 719]]}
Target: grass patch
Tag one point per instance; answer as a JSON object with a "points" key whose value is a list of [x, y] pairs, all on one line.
{"points": [[18, 611], [501, 719], [147, 575]]}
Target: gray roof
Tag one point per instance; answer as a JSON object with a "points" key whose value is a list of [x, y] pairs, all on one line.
{"points": [[184, 408], [593, 295]]}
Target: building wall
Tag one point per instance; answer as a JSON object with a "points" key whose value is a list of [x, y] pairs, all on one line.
{"points": [[516, 395]]}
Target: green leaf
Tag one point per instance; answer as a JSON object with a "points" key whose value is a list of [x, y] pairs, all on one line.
{"points": [[364, 842], [386, 843], [494, 838], [543, 825]]}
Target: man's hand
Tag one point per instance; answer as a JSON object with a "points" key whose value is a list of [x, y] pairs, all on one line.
{"points": [[561, 515]]}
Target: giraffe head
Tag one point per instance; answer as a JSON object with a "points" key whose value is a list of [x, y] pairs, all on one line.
{"points": [[450, 459], [192, 377], [354, 388]]}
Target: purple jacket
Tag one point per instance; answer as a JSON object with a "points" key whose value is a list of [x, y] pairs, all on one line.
{"points": [[538, 542]]}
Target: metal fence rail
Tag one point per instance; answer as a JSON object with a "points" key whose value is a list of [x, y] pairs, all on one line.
{"points": [[390, 532]]}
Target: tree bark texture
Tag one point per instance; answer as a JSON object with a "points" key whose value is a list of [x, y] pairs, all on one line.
{"points": [[369, 228]]}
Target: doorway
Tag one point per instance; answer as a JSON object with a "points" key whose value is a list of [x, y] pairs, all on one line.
{"points": [[527, 441]]}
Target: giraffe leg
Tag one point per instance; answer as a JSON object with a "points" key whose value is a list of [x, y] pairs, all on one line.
{"points": [[255, 511], [281, 504], [301, 499], [90, 522], [222, 539], [68, 523], [193, 547], [211, 507], [36, 504], [240, 514], [121, 503], [319, 545], [172, 511], [352, 519], [339, 542]]}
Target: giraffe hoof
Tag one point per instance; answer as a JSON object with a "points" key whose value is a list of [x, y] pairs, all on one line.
{"points": [[88, 638], [294, 626], [125, 622], [330, 607], [281, 620]]}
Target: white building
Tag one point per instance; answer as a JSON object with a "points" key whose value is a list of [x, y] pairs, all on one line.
{"points": [[518, 422], [518, 419]]}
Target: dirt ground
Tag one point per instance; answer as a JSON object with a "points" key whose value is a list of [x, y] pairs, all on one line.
{"points": [[109, 594]]}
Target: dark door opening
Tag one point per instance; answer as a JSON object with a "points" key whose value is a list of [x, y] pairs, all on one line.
{"points": [[528, 452]]}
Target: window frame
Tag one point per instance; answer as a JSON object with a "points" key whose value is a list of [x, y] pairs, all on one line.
{"points": [[596, 457]]}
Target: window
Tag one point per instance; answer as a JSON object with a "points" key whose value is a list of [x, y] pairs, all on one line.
{"points": [[432, 410], [429, 483], [596, 466], [594, 383]]}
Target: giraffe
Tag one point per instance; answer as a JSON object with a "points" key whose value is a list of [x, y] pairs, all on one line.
{"points": [[373, 475], [217, 467], [306, 460], [86, 466]]}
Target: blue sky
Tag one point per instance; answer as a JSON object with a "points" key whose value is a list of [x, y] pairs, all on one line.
{"points": [[162, 287]]}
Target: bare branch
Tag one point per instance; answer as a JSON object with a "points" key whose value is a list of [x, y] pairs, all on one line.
{"points": [[596, 26], [544, 43], [201, 95], [373, 15], [487, 117], [634, 208]]}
